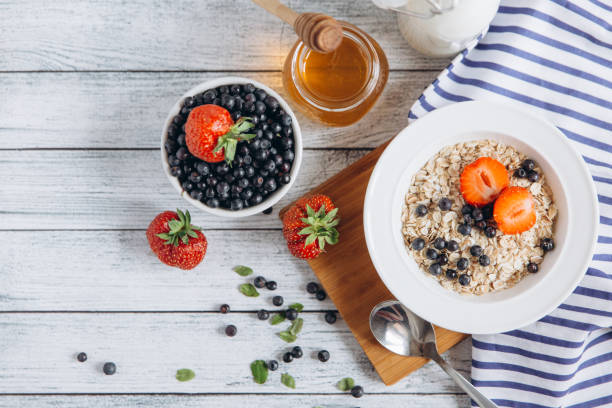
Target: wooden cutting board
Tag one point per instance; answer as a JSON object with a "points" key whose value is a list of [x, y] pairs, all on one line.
{"points": [[349, 278]]}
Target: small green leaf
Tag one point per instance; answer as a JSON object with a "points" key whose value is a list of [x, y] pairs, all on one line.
{"points": [[192, 234], [310, 240], [181, 216], [346, 384], [242, 270], [260, 371], [310, 211], [163, 235], [277, 318], [297, 306], [288, 380], [296, 326], [287, 336], [248, 290], [185, 374]]}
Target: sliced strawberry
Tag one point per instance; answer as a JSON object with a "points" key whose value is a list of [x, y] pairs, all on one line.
{"points": [[514, 210], [483, 180]]}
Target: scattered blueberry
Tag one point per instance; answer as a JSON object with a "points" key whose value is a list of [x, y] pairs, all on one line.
{"points": [[259, 282], [476, 250], [443, 259], [312, 287], [467, 209], [82, 357], [224, 308], [547, 244], [357, 391], [330, 317], [297, 352], [444, 204], [287, 357], [484, 260], [451, 274], [109, 368], [271, 285], [520, 173], [323, 356], [263, 314], [418, 244], [464, 279], [533, 267], [421, 210], [464, 229], [487, 211], [533, 176], [231, 330], [482, 224], [435, 269], [477, 214], [468, 219], [321, 295], [277, 300], [528, 165], [272, 365], [439, 244], [431, 254], [462, 264], [452, 245], [267, 211], [291, 314]]}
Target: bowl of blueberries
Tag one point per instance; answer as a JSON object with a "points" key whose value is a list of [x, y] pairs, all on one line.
{"points": [[263, 161]]}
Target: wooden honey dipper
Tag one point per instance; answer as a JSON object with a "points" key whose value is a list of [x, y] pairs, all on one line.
{"points": [[319, 32]]}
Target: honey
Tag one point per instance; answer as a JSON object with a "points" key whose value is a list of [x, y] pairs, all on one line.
{"points": [[340, 87]]}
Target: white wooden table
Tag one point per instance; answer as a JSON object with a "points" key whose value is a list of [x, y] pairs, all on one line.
{"points": [[84, 89]]}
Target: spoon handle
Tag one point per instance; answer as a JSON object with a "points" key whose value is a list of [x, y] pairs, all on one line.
{"points": [[465, 385]]}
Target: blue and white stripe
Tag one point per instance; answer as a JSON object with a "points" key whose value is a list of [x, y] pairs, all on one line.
{"points": [[555, 58]]}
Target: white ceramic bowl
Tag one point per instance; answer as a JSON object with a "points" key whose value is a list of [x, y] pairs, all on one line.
{"points": [[272, 198], [534, 296]]}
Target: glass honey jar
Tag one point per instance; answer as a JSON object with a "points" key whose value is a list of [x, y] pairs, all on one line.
{"points": [[340, 87]]}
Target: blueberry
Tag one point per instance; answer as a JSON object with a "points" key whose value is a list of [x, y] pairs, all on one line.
{"points": [[271, 102], [431, 254], [533, 176], [249, 107], [259, 282], [297, 352], [263, 314], [464, 229], [462, 264], [285, 143], [223, 89], [323, 356], [451, 274], [321, 295], [246, 194], [490, 232], [236, 114], [285, 167], [269, 165], [421, 210], [330, 317], [264, 172], [236, 204], [291, 314], [528, 165], [285, 120], [357, 391], [468, 219], [222, 188], [250, 97], [109, 368], [476, 250], [276, 128], [224, 308], [484, 260], [265, 144], [195, 177], [170, 146], [435, 269], [284, 178], [444, 204], [203, 168], [187, 185], [477, 214], [254, 145], [467, 209], [270, 185], [82, 357], [227, 101], [277, 300], [487, 211], [177, 172], [196, 194], [443, 259], [238, 172], [464, 279], [235, 89], [268, 211], [520, 173], [261, 155], [249, 171], [418, 244], [482, 224], [278, 161], [533, 267], [287, 357], [211, 181], [439, 243], [243, 183], [260, 107], [312, 287], [182, 153], [452, 245], [231, 330], [256, 199], [222, 168], [260, 94], [272, 365], [547, 244], [209, 96], [288, 156], [212, 202], [250, 88], [271, 285]]}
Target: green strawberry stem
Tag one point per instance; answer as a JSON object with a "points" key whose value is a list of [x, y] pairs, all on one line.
{"points": [[321, 226], [180, 229], [230, 140]]}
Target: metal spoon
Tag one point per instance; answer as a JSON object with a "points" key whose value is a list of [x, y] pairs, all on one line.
{"points": [[404, 333]]}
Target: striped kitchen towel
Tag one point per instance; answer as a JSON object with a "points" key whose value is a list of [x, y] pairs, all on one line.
{"points": [[553, 57]]}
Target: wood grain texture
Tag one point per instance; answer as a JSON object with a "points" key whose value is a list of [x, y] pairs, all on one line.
{"points": [[213, 401], [174, 35], [125, 189], [38, 355], [350, 279], [128, 110]]}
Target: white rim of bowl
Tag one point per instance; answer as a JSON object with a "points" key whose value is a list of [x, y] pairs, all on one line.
{"points": [[272, 199], [467, 110]]}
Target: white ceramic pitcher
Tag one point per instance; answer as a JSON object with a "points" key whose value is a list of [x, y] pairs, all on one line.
{"points": [[441, 28]]}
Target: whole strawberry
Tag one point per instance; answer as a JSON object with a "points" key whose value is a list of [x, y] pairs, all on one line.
{"points": [[212, 135], [309, 224], [175, 241]]}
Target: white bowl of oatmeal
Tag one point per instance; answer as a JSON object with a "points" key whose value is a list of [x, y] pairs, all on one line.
{"points": [[423, 163]]}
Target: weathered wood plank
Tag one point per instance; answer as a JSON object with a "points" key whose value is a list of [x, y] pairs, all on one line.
{"points": [[38, 355], [120, 189], [127, 110], [268, 401], [116, 271], [170, 35]]}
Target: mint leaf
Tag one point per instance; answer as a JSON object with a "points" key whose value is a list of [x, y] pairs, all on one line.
{"points": [[260, 371], [287, 336], [288, 380], [242, 270], [249, 290], [277, 318], [185, 374], [346, 384], [297, 306], [296, 326]]}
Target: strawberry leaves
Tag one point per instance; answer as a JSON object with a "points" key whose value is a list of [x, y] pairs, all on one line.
{"points": [[179, 230], [230, 140], [320, 226]]}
